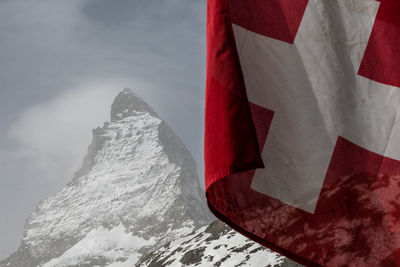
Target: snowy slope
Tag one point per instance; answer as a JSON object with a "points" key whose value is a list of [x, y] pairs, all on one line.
{"points": [[136, 201], [213, 245]]}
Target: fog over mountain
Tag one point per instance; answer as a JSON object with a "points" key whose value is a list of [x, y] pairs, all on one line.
{"points": [[136, 200]]}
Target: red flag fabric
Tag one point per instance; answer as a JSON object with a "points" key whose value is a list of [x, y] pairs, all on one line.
{"points": [[302, 130]]}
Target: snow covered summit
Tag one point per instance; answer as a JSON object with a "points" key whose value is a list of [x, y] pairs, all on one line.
{"points": [[137, 178]]}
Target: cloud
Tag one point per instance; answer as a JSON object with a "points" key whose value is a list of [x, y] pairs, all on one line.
{"points": [[54, 135]]}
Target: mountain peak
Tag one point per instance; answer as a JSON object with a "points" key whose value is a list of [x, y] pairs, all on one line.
{"points": [[126, 104], [138, 183]]}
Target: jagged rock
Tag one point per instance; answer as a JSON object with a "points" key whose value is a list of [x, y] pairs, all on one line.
{"points": [[213, 245]]}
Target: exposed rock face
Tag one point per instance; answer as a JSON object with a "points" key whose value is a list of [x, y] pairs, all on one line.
{"points": [[135, 201]]}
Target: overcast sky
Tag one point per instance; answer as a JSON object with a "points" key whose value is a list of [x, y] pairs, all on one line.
{"points": [[61, 65]]}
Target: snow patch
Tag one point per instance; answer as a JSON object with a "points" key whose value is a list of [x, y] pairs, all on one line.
{"points": [[112, 245]]}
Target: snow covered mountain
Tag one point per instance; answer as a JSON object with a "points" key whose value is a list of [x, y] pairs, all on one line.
{"points": [[135, 201]]}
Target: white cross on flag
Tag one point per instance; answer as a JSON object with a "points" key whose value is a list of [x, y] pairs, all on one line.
{"points": [[302, 138]]}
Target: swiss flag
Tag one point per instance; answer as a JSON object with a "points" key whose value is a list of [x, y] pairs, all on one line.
{"points": [[302, 138]]}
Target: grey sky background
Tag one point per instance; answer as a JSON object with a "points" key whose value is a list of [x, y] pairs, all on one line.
{"points": [[61, 65]]}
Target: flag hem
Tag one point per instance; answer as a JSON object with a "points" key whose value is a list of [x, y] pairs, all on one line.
{"points": [[216, 176]]}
